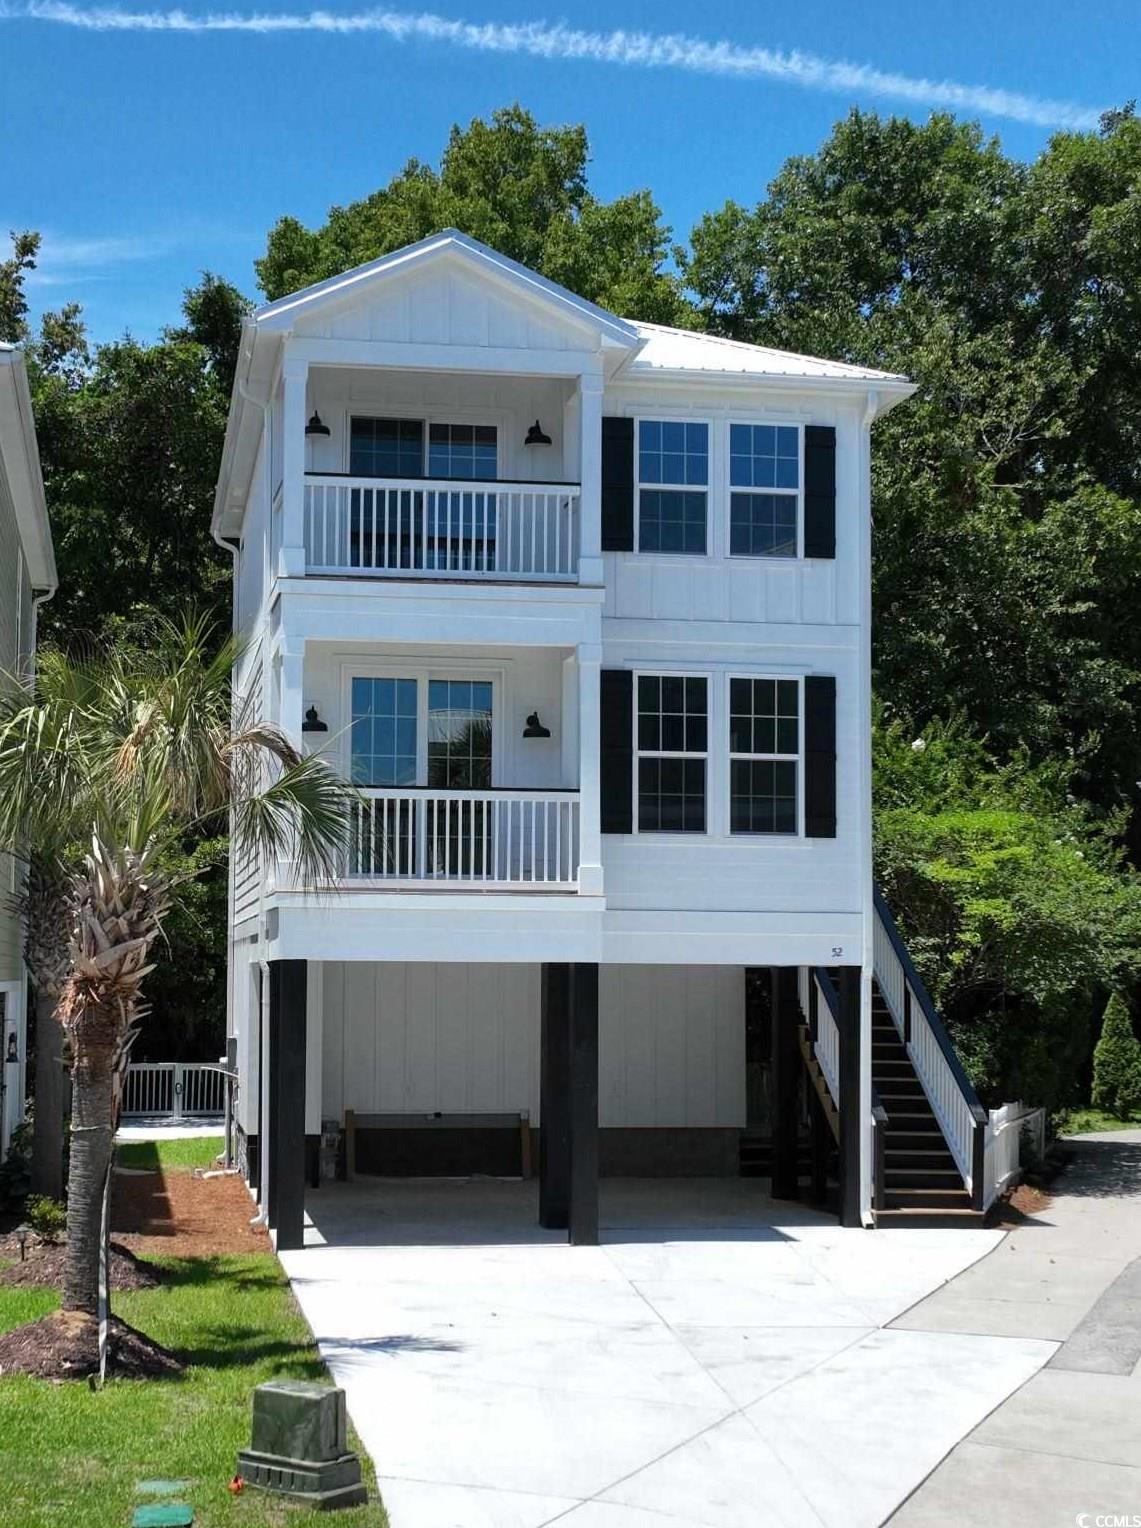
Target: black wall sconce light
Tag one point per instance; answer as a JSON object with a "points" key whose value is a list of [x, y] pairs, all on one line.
{"points": [[316, 425], [13, 1051], [313, 722], [534, 727], [537, 436]]}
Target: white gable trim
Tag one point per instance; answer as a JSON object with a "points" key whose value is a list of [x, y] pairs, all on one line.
{"points": [[426, 357], [20, 470], [450, 245]]}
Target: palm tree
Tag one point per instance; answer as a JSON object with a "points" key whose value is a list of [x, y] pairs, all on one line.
{"points": [[107, 761], [43, 907]]}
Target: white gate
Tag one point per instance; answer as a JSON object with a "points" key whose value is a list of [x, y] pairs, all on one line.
{"points": [[175, 1090]]}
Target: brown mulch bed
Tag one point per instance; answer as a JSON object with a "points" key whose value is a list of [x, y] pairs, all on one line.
{"points": [[44, 1265], [170, 1212], [1025, 1203], [175, 1213], [1028, 1200], [65, 1345]]}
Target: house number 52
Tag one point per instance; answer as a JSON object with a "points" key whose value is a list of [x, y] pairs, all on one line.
{"points": [[837, 951]]}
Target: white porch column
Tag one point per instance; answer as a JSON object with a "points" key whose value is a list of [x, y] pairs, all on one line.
{"points": [[291, 678], [590, 475], [295, 381], [290, 713], [590, 774]]}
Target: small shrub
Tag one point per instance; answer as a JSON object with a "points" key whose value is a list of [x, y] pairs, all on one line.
{"points": [[16, 1168], [46, 1216], [1117, 1062]]}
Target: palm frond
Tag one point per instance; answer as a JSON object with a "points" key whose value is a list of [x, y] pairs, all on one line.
{"points": [[302, 816]]}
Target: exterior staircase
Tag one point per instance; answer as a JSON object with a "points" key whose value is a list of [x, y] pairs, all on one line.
{"points": [[921, 1184], [934, 1162]]}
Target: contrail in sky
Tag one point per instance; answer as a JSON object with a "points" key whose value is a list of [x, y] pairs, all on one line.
{"points": [[556, 41]]}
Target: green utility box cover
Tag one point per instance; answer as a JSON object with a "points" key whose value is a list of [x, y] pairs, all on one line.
{"points": [[173, 1514], [299, 1446]]}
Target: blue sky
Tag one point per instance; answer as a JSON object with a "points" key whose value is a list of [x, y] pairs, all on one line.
{"points": [[146, 154]]}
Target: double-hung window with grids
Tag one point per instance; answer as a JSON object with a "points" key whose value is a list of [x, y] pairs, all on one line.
{"points": [[672, 752], [764, 755], [764, 490], [673, 486]]}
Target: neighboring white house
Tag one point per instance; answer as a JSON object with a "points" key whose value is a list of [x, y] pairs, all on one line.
{"points": [[583, 606], [27, 575]]}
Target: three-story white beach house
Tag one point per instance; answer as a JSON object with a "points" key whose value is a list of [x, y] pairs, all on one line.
{"points": [[582, 606]]}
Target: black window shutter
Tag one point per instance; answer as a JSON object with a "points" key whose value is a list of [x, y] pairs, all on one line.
{"points": [[819, 491], [820, 756], [617, 768], [617, 485]]}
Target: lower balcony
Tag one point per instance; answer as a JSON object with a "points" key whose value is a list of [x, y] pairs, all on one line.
{"points": [[467, 840]]}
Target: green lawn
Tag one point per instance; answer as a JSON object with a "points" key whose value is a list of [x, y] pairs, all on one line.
{"points": [[70, 1457], [192, 1151], [1082, 1121]]}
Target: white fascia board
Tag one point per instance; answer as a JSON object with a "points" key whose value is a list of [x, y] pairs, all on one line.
{"points": [[449, 243], [254, 376], [501, 928], [359, 613], [841, 389], [20, 464], [400, 355]]}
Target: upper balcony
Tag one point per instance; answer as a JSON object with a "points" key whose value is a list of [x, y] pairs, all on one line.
{"points": [[363, 527], [387, 474]]}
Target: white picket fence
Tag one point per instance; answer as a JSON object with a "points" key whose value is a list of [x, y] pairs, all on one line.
{"points": [[1004, 1133], [175, 1090]]}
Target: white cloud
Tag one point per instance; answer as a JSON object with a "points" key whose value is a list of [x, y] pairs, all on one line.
{"points": [[539, 39], [64, 258]]}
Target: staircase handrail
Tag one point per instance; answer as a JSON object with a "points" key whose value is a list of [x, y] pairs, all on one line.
{"points": [[949, 1090], [930, 1012], [826, 1036], [880, 1122]]}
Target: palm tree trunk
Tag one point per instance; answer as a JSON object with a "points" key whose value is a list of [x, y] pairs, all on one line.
{"points": [[91, 1133], [51, 1101]]}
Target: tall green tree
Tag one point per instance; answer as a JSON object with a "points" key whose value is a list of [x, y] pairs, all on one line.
{"points": [[1117, 1061], [518, 187], [1007, 494], [130, 436]]}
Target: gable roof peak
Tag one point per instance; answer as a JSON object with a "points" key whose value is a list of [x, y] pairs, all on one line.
{"points": [[281, 314]]}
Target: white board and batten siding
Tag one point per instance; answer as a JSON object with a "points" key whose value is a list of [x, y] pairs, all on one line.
{"points": [[447, 306], [717, 589], [464, 1038], [16, 637], [249, 710], [717, 871]]}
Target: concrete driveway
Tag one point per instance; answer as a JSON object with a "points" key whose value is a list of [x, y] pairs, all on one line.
{"points": [[1066, 1448], [721, 1361]]}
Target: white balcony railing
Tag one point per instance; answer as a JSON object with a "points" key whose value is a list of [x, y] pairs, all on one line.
{"points": [[420, 528], [481, 840]]}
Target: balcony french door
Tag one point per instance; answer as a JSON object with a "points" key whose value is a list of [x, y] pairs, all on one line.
{"points": [[422, 757]]}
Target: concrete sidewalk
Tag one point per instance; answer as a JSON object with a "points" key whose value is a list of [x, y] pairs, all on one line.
{"points": [[1066, 1447]]}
